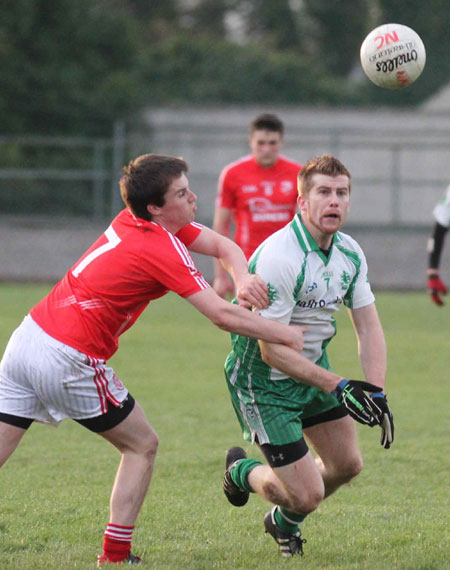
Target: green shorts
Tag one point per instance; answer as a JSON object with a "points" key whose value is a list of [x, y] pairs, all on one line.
{"points": [[272, 411]]}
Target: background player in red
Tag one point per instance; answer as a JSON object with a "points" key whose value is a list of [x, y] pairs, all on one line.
{"points": [[54, 366], [257, 192]]}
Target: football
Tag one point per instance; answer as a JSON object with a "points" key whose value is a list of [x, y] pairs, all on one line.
{"points": [[393, 56]]}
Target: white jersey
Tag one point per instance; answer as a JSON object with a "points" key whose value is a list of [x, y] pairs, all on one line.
{"points": [[442, 210], [306, 287]]}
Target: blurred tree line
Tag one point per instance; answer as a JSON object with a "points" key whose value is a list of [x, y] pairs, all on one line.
{"points": [[76, 66]]}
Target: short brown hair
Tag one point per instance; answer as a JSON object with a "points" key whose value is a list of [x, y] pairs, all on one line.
{"points": [[146, 179], [323, 164], [267, 122]]}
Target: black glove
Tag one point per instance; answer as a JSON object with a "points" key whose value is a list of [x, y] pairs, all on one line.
{"points": [[351, 393], [386, 419]]}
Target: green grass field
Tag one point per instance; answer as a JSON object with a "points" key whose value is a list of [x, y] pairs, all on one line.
{"points": [[54, 490]]}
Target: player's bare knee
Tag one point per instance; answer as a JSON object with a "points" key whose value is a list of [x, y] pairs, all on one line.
{"points": [[307, 499], [307, 503], [151, 444], [350, 469], [145, 444]]}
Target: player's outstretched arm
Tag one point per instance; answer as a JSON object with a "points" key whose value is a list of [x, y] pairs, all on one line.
{"points": [[372, 352], [371, 343], [233, 318], [296, 366], [353, 394], [222, 283], [251, 289]]}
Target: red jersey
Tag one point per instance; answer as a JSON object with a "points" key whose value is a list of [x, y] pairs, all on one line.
{"points": [[102, 295], [263, 200]]}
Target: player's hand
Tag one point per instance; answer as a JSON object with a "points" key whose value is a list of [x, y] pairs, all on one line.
{"points": [[386, 419], [436, 288], [298, 339], [252, 292], [352, 394], [223, 286]]}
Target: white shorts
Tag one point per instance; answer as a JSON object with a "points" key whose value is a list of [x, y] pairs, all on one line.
{"points": [[46, 380]]}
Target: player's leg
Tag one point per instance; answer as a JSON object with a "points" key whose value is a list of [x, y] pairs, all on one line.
{"points": [[138, 443], [297, 486], [84, 388], [12, 429], [78, 386], [127, 428], [303, 487], [291, 481], [336, 443], [269, 413], [18, 401]]}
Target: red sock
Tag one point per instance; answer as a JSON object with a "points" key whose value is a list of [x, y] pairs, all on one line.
{"points": [[117, 542]]}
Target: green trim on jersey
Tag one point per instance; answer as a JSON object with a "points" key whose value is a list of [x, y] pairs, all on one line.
{"points": [[249, 354], [254, 260], [300, 280], [354, 257], [307, 242]]}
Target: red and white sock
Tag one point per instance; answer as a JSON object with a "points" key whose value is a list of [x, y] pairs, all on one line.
{"points": [[117, 542]]}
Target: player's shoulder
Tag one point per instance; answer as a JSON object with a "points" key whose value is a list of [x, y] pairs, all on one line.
{"points": [[281, 248], [148, 240], [347, 242], [237, 165]]}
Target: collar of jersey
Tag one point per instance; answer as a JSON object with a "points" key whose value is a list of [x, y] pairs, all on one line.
{"points": [[306, 241], [139, 222]]}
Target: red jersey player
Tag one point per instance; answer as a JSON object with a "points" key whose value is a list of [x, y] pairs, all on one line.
{"points": [[257, 192], [54, 366]]}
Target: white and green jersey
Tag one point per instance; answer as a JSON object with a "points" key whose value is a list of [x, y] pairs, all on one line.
{"points": [[305, 288], [442, 210]]}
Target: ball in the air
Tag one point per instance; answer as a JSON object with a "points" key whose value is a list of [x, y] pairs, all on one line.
{"points": [[393, 56]]}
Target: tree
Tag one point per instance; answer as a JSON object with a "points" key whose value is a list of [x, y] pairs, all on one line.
{"points": [[67, 66], [273, 23], [187, 69], [208, 17], [337, 30], [158, 18]]}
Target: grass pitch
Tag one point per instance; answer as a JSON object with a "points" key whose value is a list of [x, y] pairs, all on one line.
{"points": [[54, 490]]}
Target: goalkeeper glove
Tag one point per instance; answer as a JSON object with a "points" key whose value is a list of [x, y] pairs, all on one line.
{"points": [[386, 419], [436, 288], [351, 393]]}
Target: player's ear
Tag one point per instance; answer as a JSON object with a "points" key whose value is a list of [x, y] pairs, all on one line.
{"points": [[153, 210]]}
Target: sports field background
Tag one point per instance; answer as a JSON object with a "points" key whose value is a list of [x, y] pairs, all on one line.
{"points": [[54, 491]]}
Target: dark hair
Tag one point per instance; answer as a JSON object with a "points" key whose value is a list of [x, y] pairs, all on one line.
{"points": [[267, 122], [146, 180], [322, 164]]}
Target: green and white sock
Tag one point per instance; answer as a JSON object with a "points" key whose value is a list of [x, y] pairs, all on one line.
{"points": [[287, 521], [240, 472]]}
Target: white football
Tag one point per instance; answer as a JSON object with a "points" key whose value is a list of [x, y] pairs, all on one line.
{"points": [[393, 56]]}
